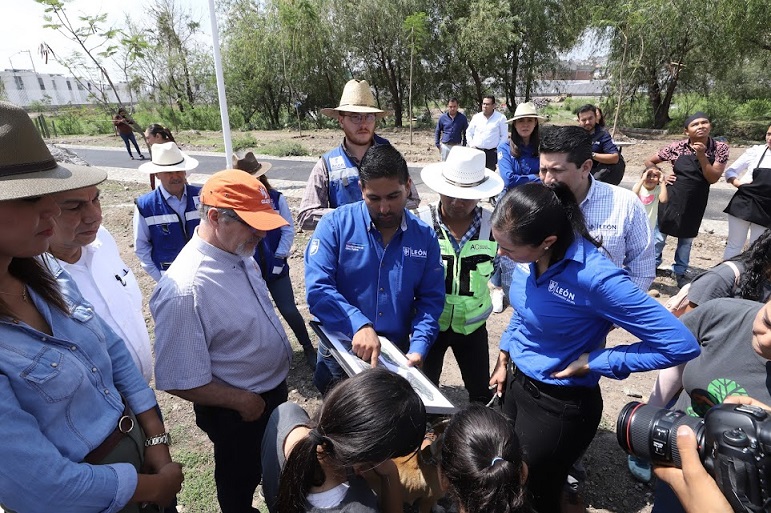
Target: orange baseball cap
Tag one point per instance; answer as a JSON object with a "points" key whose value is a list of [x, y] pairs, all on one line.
{"points": [[245, 195]]}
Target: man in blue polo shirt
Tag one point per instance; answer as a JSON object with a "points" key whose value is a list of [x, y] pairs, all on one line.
{"points": [[450, 129], [607, 163], [372, 268]]}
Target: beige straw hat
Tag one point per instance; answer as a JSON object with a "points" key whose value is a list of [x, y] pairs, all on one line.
{"points": [[27, 168], [357, 97], [525, 110]]}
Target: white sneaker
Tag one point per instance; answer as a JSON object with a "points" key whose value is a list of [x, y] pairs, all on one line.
{"points": [[497, 296]]}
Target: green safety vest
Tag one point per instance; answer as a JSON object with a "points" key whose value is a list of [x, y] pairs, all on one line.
{"points": [[467, 303]]}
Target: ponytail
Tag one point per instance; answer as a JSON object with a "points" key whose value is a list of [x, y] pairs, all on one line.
{"points": [[371, 417], [531, 212], [482, 461]]}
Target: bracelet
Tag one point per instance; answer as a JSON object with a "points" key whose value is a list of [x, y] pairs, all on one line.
{"points": [[164, 438]]}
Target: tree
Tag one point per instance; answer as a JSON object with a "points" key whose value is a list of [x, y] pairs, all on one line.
{"points": [[675, 43], [97, 44]]}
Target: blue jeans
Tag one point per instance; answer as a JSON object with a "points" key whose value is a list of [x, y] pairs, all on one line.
{"points": [[665, 500], [328, 372], [283, 295], [682, 252], [130, 137]]}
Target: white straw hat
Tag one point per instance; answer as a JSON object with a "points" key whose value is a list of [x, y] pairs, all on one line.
{"points": [[463, 175], [167, 157], [525, 110], [357, 97]]}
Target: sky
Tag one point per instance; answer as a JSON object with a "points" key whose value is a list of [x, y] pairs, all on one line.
{"points": [[21, 27]]}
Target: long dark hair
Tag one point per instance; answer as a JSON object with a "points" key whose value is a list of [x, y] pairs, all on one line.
{"points": [[482, 460], [757, 268], [35, 274], [517, 141], [533, 211], [368, 418], [165, 133]]}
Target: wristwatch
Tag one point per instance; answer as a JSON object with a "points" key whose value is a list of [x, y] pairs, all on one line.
{"points": [[164, 438], [593, 155]]}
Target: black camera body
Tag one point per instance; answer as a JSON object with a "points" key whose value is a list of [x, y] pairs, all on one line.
{"points": [[734, 445]]}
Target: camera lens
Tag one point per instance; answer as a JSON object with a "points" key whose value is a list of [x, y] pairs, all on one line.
{"points": [[650, 433]]}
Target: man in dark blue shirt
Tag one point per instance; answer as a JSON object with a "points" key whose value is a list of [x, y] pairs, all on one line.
{"points": [[608, 166], [450, 129]]}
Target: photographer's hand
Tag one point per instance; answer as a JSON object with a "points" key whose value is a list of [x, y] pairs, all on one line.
{"points": [[694, 487], [743, 399]]}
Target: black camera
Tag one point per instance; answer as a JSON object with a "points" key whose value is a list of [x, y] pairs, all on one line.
{"points": [[734, 445]]}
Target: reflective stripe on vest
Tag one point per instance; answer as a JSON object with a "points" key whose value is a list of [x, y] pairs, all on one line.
{"points": [[467, 302]]}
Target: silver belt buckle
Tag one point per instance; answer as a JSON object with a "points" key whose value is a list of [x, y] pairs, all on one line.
{"points": [[125, 424]]}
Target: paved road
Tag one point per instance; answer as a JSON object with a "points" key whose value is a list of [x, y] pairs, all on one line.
{"points": [[296, 170], [208, 164]]}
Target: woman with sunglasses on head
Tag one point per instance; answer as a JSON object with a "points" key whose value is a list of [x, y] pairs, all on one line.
{"points": [[364, 422], [79, 423], [566, 297]]}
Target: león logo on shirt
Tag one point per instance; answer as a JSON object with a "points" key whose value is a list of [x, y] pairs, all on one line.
{"points": [[314, 247], [415, 253], [562, 292]]}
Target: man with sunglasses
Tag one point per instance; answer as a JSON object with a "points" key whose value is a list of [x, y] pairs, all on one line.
{"points": [[334, 180]]}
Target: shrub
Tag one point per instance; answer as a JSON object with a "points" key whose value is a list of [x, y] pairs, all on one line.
{"points": [[285, 149], [243, 141]]}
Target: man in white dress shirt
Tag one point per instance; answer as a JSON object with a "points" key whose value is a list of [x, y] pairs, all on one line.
{"points": [[87, 251], [487, 130]]}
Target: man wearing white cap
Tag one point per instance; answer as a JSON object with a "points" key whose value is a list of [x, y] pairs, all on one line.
{"points": [[463, 229], [218, 341], [165, 218], [334, 180]]}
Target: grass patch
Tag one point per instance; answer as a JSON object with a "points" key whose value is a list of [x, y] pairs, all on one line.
{"points": [[284, 149], [199, 494]]}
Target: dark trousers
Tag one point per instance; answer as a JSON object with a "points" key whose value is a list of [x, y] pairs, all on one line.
{"points": [[610, 173], [237, 465], [130, 137], [555, 425], [491, 157], [283, 295], [471, 353]]}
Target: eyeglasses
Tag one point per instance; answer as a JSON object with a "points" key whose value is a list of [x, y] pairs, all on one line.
{"points": [[233, 216], [358, 119]]}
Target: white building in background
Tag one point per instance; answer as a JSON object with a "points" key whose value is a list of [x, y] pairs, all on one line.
{"points": [[23, 87]]}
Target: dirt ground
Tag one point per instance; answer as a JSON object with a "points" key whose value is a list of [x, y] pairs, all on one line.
{"points": [[609, 487]]}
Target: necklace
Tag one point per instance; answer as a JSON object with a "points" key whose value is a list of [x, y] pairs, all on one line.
{"points": [[23, 294]]}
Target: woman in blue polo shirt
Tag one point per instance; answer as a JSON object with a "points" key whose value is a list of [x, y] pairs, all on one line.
{"points": [[566, 297]]}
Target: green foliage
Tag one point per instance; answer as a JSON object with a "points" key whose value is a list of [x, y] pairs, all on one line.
{"points": [[243, 141], [199, 493], [284, 149]]}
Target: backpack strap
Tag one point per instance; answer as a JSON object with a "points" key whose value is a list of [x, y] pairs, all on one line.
{"points": [[737, 274]]}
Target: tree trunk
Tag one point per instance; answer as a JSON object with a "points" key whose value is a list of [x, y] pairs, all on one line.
{"points": [[477, 86]]}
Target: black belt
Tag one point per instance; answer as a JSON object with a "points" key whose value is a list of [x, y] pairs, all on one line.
{"points": [[536, 388]]}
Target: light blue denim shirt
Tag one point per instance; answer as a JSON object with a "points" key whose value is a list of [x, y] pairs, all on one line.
{"points": [[60, 396]]}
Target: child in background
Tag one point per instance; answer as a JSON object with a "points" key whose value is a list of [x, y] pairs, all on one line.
{"points": [[651, 190]]}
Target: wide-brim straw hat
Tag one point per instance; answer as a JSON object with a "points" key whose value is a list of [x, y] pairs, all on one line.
{"points": [[525, 110], [251, 165], [27, 167], [168, 157], [357, 97], [463, 175]]}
